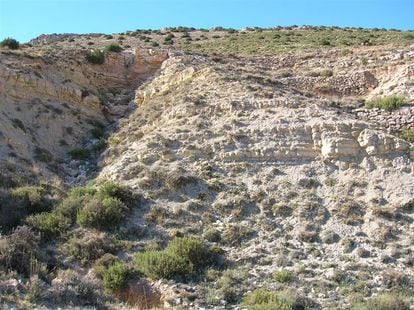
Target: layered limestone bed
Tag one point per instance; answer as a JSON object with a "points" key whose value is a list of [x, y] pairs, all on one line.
{"points": [[285, 180]]}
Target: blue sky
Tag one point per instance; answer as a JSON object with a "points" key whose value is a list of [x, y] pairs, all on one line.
{"points": [[25, 19]]}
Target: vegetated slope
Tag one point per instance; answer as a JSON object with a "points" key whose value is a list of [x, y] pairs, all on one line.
{"points": [[236, 174]]}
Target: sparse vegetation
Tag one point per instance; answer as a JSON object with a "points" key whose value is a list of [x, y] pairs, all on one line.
{"points": [[114, 47], [407, 134], [96, 57], [386, 103], [264, 299], [115, 276], [384, 301], [282, 276]]}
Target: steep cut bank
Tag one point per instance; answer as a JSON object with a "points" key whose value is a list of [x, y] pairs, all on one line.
{"points": [[53, 104]]}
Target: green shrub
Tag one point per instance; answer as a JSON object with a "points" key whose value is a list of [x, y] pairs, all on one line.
{"points": [[161, 265], [32, 198], [82, 191], [282, 276], [192, 250], [76, 199], [79, 153], [123, 193], [69, 208], [49, 224], [264, 299], [183, 257], [16, 204], [114, 47], [385, 301], [96, 57], [102, 213], [115, 277], [407, 134], [10, 43], [101, 207], [387, 103]]}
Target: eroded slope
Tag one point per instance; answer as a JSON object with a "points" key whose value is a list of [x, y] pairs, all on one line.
{"points": [[283, 177]]}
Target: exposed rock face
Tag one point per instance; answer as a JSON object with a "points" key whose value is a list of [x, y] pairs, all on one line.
{"points": [[285, 166], [357, 83], [241, 128], [393, 121], [50, 105]]}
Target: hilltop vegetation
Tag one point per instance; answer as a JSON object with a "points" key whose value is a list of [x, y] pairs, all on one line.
{"points": [[251, 41]]}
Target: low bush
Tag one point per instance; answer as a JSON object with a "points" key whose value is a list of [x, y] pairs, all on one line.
{"points": [[282, 276], [96, 57], [325, 42], [287, 299], [10, 43], [264, 299], [33, 198], [386, 103], [116, 276], [48, 224], [69, 208], [82, 191], [123, 193], [183, 257], [114, 47], [103, 213], [97, 207], [16, 204], [193, 251], [385, 301], [20, 251], [161, 265]]}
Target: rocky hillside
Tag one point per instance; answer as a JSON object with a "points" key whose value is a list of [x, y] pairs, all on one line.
{"points": [[53, 104], [215, 180]]}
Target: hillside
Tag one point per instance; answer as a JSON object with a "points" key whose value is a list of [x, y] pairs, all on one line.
{"points": [[255, 169]]}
